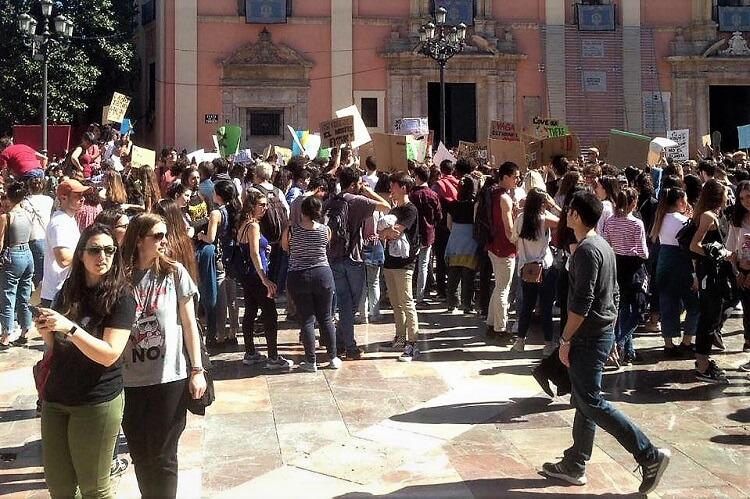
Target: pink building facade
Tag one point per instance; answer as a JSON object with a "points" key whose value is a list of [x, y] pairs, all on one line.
{"points": [[645, 66]]}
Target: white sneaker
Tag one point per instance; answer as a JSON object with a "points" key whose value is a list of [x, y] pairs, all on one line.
{"points": [[254, 358], [308, 367], [519, 345], [410, 353], [279, 363], [335, 363]]}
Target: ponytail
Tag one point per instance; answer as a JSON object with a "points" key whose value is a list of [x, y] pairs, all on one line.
{"points": [[667, 200], [624, 201]]}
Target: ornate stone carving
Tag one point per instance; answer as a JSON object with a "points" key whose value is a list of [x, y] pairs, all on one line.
{"points": [[737, 46]]}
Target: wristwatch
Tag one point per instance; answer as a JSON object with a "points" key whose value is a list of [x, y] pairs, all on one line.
{"points": [[72, 330], [564, 342]]}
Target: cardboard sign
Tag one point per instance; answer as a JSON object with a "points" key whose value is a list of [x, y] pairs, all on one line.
{"points": [[228, 138], [548, 127], [366, 150], [361, 135], [681, 152], [140, 156], [411, 126], [118, 107], [105, 115], [338, 131], [567, 145], [744, 135], [390, 152], [657, 147], [441, 155], [475, 150], [503, 130], [505, 150], [627, 149]]}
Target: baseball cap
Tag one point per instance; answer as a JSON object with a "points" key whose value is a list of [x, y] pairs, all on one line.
{"points": [[69, 186]]}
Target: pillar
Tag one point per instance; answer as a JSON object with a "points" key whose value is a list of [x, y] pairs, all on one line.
{"points": [[186, 74], [631, 64], [342, 86], [554, 48]]}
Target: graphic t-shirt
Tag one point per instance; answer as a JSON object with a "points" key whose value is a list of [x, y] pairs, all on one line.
{"points": [[155, 352], [408, 216]]}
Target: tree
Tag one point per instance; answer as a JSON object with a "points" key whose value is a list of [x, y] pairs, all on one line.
{"points": [[99, 60]]}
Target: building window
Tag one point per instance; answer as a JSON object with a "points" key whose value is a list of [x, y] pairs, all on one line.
{"points": [[265, 123], [264, 11], [598, 16], [459, 11], [148, 12], [371, 105], [152, 86], [733, 15], [369, 110]]}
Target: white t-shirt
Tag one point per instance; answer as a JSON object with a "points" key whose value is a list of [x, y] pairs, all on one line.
{"points": [[40, 208], [607, 213], [528, 250], [62, 232], [670, 226], [370, 180]]}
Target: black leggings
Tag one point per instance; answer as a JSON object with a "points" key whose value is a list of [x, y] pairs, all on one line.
{"points": [[256, 297], [465, 276]]}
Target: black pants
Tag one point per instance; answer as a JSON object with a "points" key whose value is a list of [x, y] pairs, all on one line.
{"points": [[464, 275], [745, 299], [153, 420], [562, 296], [256, 297], [438, 248], [313, 291], [485, 283], [712, 306]]}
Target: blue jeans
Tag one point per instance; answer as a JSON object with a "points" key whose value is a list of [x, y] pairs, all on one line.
{"points": [[587, 358], [37, 250], [208, 286], [312, 291], [349, 277], [545, 291], [15, 288], [423, 263], [670, 304], [627, 322]]}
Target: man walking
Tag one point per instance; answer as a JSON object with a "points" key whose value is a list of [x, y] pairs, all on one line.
{"points": [[427, 203], [585, 345]]}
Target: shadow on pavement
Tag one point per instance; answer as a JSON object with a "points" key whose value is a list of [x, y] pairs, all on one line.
{"points": [[479, 413]]}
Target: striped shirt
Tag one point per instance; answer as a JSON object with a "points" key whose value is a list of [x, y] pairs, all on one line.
{"points": [[626, 235], [307, 247]]}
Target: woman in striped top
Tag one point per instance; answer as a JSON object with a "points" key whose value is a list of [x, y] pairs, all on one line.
{"points": [[625, 233], [310, 280]]}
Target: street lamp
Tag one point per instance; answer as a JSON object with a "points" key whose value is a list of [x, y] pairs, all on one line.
{"points": [[440, 42], [41, 45]]}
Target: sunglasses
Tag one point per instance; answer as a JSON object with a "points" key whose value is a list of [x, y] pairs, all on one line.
{"points": [[121, 226], [157, 237], [98, 250]]}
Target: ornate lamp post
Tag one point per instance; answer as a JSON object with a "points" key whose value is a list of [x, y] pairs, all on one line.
{"points": [[42, 44], [440, 42]]}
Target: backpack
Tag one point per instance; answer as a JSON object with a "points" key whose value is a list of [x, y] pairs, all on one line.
{"points": [[483, 223], [235, 256], [685, 234], [276, 218], [337, 218]]}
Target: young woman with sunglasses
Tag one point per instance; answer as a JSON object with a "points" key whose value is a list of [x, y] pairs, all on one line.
{"points": [[162, 361], [85, 333]]}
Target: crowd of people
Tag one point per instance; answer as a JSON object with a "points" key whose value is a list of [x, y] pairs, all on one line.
{"points": [[133, 263]]}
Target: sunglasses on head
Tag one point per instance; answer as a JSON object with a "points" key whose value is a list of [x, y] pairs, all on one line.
{"points": [[98, 250], [158, 236]]}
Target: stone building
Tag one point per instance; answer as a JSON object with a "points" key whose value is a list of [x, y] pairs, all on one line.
{"points": [[639, 65]]}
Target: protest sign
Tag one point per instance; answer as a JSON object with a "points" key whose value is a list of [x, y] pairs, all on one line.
{"points": [[118, 107], [297, 148], [216, 142], [196, 156], [105, 114], [126, 126], [243, 156], [504, 150], [311, 143], [366, 150], [361, 135], [140, 156], [503, 130], [567, 145], [390, 151], [416, 148], [411, 126], [476, 150], [657, 147], [548, 127], [744, 136], [627, 149], [228, 138], [706, 140], [681, 152], [338, 131], [441, 155]]}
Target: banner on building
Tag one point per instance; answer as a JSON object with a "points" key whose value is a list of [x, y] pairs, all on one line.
{"points": [[503, 130], [596, 17], [733, 19], [361, 135], [627, 149], [459, 11], [390, 152], [118, 107], [338, 131], [140, 156], [58, 138], [266, 11], [411, 126], [680, 152]]}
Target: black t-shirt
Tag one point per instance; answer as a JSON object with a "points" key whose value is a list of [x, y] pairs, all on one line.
{"points": [[75, 379], [408, 216]]}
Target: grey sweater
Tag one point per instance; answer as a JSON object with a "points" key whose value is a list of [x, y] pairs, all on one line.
{"points": [[593, 291]]}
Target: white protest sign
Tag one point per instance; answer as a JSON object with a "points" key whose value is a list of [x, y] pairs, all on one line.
{"points": [[295, 139], [312, 145], [140, 156], [243, 156], [441, 155], [216, 142], [361, 135], [118, 107], [681, 152], [411, 126], [338, 131], [657, 146], [196, 156]]}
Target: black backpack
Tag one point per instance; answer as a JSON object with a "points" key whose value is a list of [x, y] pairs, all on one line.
{"points": [[238, 264], [276, 218], [483, 223], [337, 218]]}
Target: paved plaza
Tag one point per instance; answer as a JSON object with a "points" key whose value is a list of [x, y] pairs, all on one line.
{"points": [[465, 420]]}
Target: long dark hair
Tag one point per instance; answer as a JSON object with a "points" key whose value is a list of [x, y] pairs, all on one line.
{"points": [[712, 195], [668, 199], [533, 209], [226, 191], [626, 198], [138, 229], [739, 212], [611, 187], [102, 297], [179, 244], [565, 235]]}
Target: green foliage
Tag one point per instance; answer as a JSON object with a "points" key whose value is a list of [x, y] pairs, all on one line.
{"points": [[100, 59]]}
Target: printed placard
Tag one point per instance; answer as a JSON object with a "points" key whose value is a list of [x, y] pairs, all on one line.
{"points": [[503, 130], [475, 150], [681, 152], [412, 126], [140, 156], [118, 107], [338, 131], [361, 135]]}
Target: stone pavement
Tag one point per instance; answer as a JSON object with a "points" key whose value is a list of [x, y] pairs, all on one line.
{"points": [[465, 420]]}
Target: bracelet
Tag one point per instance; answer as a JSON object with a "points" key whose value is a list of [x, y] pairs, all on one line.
{"points": [[196, 370], [72, 331], [564, 342]]}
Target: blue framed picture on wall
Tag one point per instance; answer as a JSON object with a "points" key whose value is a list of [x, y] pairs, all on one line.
{"points": [[266, 11]]}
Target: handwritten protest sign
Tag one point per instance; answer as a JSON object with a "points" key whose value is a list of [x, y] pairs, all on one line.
{"points": [[475, 150], [567, 145], [228, 138], [503, 130], [361, 135], [140, 156], [627, 149], [118, 107], [681, 152], [411, 126], [390, 151], [105, 115], [548, 127], [338, 131]]}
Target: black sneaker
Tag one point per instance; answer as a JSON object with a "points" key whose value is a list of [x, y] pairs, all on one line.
{"points": [[712, 375], [355, 354], [561, 471], [746, 347], [718, 342], [119, 465], [653, 471], [20, 341]]}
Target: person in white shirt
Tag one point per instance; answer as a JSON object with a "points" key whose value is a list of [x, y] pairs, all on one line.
{"points": [[39, 205], [371, 179], [62, 237]]}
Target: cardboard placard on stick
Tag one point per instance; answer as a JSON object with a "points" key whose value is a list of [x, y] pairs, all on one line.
{"points": [[627, 149], [567, 145], [338, 131], [505, 150], [390, 152], [140, 156], [503, 130], [118, 107]]}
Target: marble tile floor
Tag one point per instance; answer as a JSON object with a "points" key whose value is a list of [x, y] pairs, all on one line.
{"points": [[465, 420]]}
